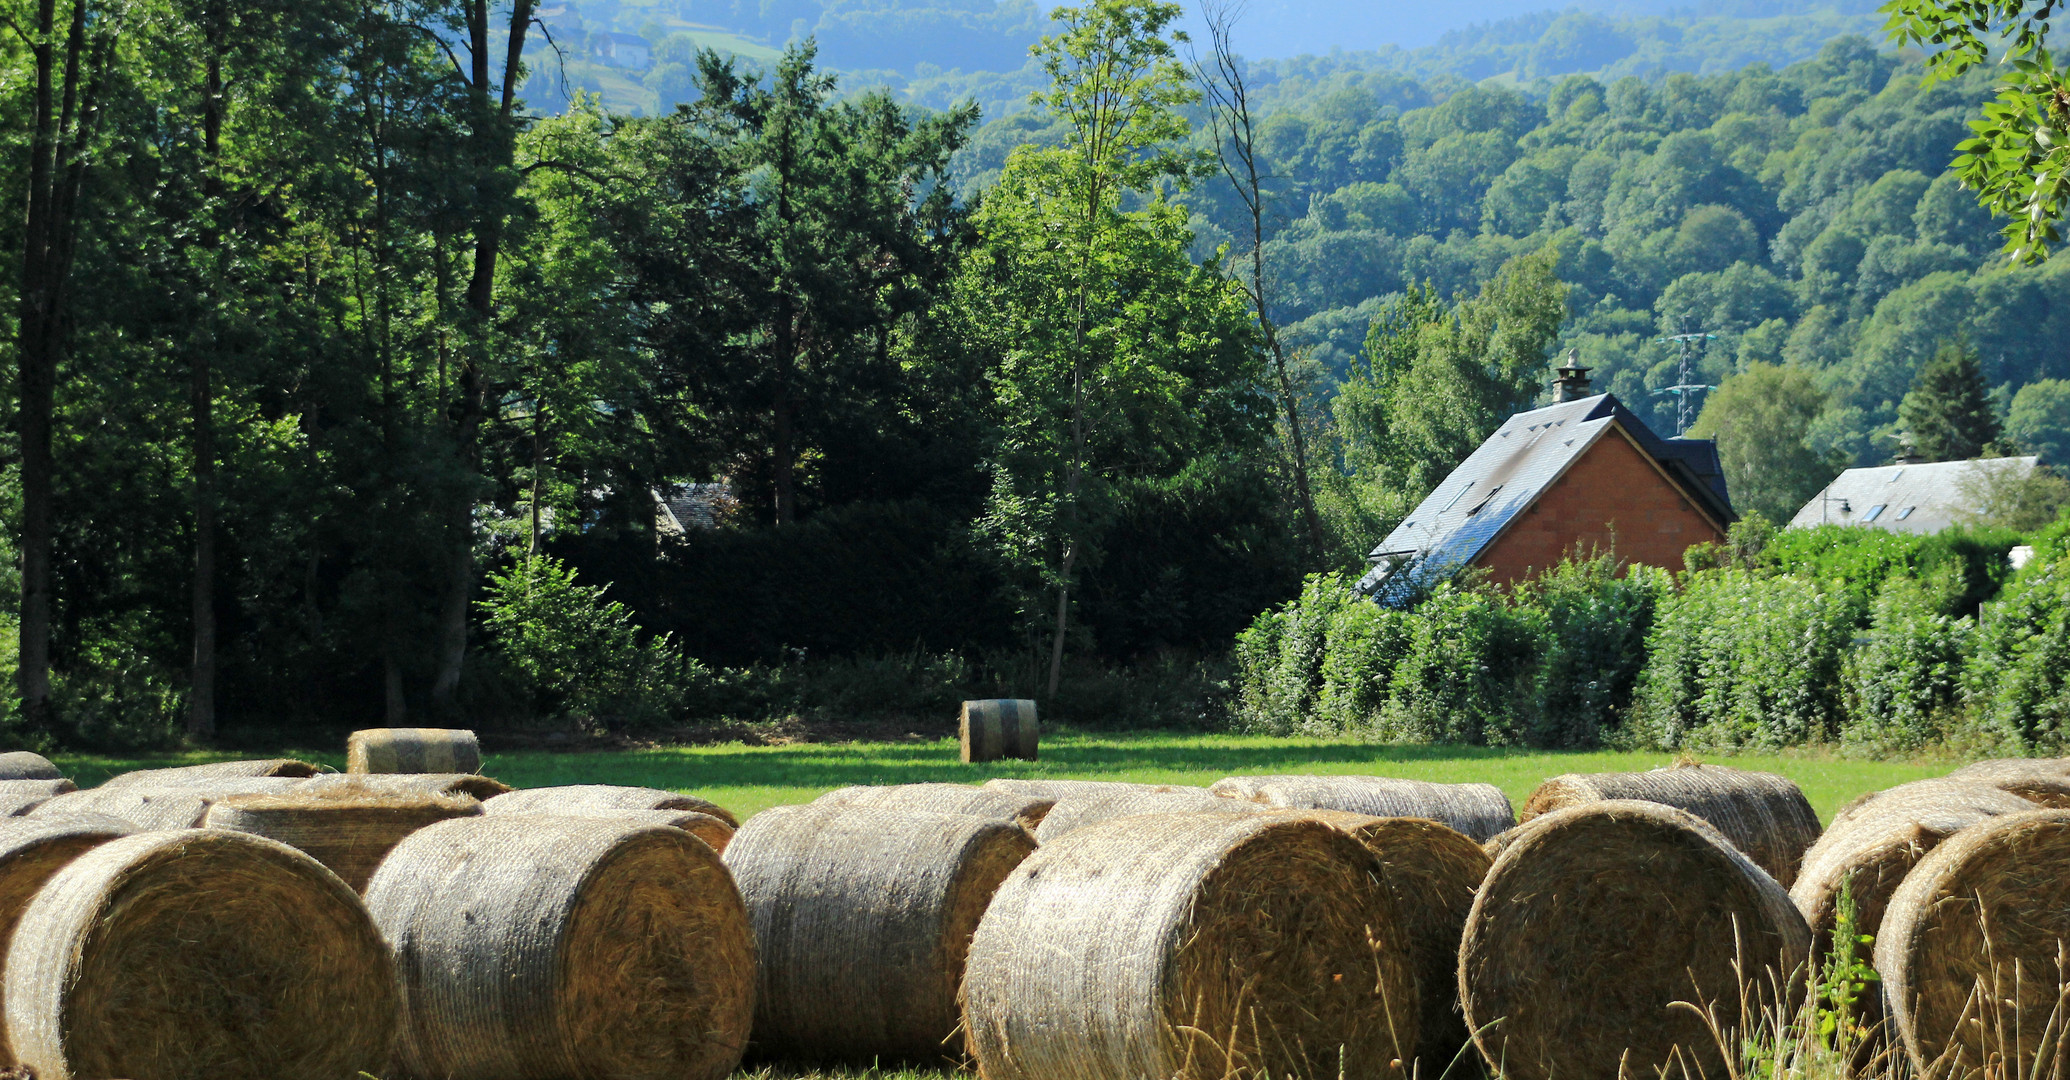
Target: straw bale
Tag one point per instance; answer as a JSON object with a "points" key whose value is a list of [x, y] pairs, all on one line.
{"points": [[1478, 810], [472, 785], [412, 750], [1973, 951], [212, 773], [1195, 946], [716, 834], [1765, 815], [1027, 811], [1597, 919], [1077, 811], [998, 728], [1059, 789], [199, 954], [348, 830], [871, 907], [30, 852], [23, 765], [1431, 872], [181, 806], [533, 947], [2042, 781], [18, 797], [585, 798]]}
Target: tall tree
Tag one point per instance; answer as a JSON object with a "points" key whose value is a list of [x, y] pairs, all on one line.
{"points": [[1761, 418], [1948, 413]]}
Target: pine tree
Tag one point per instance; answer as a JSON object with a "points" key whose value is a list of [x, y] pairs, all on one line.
{"points": [[1947, 414]]}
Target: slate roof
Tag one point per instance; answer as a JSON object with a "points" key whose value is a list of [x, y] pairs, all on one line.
{"points": [[1911, 498], [1508, 473]]}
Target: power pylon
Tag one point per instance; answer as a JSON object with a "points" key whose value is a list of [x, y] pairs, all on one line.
{"points": [[1684, 388]]}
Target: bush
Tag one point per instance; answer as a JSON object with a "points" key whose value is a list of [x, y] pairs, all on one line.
{"points": [[1595, 623], [2019, 684], [1279, 657], [578, 653], [1904, 688], [1471, 663], [1362, 648]]}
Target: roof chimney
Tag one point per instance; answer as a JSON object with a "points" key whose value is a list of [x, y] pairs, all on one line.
{"points": [[1572, 385]]}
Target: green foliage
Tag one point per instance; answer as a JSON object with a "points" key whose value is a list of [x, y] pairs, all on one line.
{"points": [[1844, 979], [1968, 566], [578, 653], [2020, 683], [1595, 624], [1472, 659], [2039, 421], [1904, 687], [1947, 415], [1761, 419]]}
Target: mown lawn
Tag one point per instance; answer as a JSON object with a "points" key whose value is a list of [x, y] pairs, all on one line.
{"points": [[747, 779]]}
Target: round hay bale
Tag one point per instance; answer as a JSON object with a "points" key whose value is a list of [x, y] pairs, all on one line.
{"points": [[1599, 918], [716, 834], [1027, 811], [998, 728], [472, 785], [18, 797], [1973, 951], [2041, 781], [145, 808], [1195, 946], [1061, 789], [198, 954], [1077, 811], [23, 765], [873, 908], [1766, 816], [30, 852], [346, 830], [412, 750], [1477, 810], [541, 948], [212, 773], [587, 798], [1431, 872]]}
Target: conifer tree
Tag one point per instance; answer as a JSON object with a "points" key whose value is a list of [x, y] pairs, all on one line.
{"points": [[1947, 414]]}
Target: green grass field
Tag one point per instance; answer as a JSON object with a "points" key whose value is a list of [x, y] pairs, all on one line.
{"points": [[747, 779]]}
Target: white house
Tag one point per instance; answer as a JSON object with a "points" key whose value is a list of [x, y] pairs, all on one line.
{"points": [[1906, 498]]}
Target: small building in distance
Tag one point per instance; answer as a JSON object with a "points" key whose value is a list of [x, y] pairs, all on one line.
{"points": [[1584, 470], [621, 50], [1908, 497]]}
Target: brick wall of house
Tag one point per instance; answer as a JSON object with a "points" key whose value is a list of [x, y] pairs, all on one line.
{"points": [[1612, 492]]}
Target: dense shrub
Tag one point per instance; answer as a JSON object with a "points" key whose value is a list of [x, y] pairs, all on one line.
{"points": [[1468, 673], [577, 653], [2019, 684], [1904, 687], [1863, 559], [1595, 627], [1280, 656]]}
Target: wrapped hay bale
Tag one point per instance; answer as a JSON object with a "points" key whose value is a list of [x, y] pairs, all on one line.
{"points": [[1195, 946], [998, 728], [1027, 811], [30, 852], [588, 798], [350, 831], [212, 773], [1477, 810], [23, 765], [198, 954], [1597, 919], [1764, 815], [716, 834], [1431, 873], [145, 808], [412, 750], [532, 947], [872, 908], [1973, 951], [18, 797], [1074, 812], [472, 785]]}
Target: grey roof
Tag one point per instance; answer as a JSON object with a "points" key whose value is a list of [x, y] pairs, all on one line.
{"points": [[1502, 478], [693, 506], [1912, 498]]}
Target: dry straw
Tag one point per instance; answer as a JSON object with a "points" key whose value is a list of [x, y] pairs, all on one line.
{"points": [[871, 908], [1074, 812], [1027, 811], [412, 750], [998, 728], [30, 852], [1062, 789], [1975, 950], [212, 773], [716, 834], [23, 765], [532, 947], [199, 954], [345, 829], [179, 806], [472, 785], [1765, 815], [589, 798], [1208, 946], [1477, 810], [1598, 921], [18, 797], [2042, 781]]}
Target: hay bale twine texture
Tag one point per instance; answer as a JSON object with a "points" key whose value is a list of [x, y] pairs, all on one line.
{"points": [[1431, 873], [30, 853], [1477, 810], [413, 750], [143, 807], [532, 947], [472, 785], [1973, 951], [1766, 816], [590, 798], [1059, 789], [1074, 812], [198, 954], [18, 797], [2042, 781], [874, 909], [1596, 920], [1193, 946], [1027, 811], [212, 773], [999, 728], [348, 831], [23, 765], [716, 834]]}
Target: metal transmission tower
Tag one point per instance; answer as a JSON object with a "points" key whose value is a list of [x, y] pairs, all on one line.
{"points": [[1685, 389]]}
